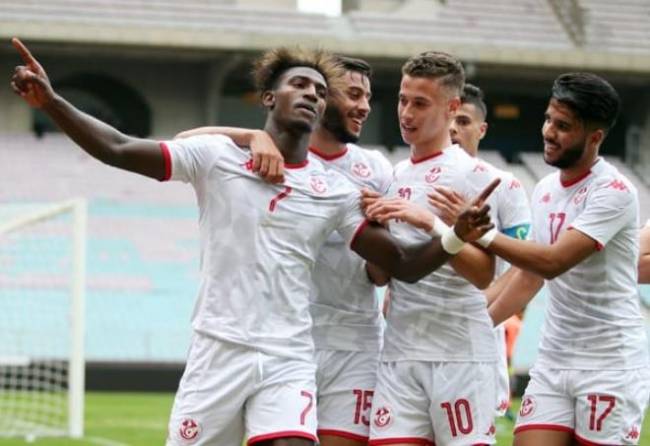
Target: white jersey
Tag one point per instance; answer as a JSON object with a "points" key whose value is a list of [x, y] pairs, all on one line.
{"points": [[593, 320], [259, 242], [442, 317], [346, 314], [513, 217]]}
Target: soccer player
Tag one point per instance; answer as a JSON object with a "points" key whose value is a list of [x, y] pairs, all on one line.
{"points": [[591, 380], [436, 380], [512, 209], [347, 323], [644, 254], [250, 368]]}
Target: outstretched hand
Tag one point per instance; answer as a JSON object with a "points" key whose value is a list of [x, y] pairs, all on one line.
{"points": [[30, 81], [474, 221], [448, 202]]}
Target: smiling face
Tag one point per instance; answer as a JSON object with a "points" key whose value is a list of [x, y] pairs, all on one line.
{"points": [[565, 136], [298, 100], [468, 128], [348, 109], [425, 111]]}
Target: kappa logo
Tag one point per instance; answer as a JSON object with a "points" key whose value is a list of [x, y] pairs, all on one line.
{"points": [[527, 406], [634, 433], [318, 185], [580, 195], [492, 430], [189, 430], [514, 184], [546, 198], [433, 175], [503, 405], [618, 185], [361, 170], [480, 167], [383, 417]]}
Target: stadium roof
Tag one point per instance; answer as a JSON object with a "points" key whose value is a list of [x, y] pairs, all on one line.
{"points": [[588, 34]]}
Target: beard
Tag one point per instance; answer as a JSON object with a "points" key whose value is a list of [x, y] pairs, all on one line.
{"points": [[570, 157], [334, 122]]}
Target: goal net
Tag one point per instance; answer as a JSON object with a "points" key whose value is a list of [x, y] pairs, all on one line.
{"points": [[42, 281]]}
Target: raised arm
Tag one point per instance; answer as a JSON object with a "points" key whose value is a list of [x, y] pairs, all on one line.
{"points": [[268, 161], [98, 139]]}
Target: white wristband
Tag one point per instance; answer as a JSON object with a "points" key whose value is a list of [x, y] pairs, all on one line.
{"points": [[450, 242], [439, 227], [487, 238]]}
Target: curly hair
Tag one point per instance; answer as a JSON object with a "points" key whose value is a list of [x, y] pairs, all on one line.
{"points": [[437, 65], [268, 68]]}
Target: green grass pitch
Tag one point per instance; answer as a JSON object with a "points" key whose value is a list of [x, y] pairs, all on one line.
{"points": [[140, 419]]}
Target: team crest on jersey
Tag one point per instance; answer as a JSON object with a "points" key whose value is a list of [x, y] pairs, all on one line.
{"points": [[580, 195], [546, 198], [433, 174], [527, 406], [361, 170], [248, 165], [514, 184], [190, 430], [383, 417], [633, 433], [318, 185]]}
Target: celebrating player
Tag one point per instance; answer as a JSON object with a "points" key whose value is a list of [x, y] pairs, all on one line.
{"points": [[591, 380], [347, 324], [250, 368], [436, 380]]}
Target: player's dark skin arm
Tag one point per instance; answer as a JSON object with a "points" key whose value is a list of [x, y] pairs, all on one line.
{"points": [[413, 262], [100, 140]]}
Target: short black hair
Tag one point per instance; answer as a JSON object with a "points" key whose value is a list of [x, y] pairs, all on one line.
{"points": [[590, 97], [474, 95], [354, 65]]}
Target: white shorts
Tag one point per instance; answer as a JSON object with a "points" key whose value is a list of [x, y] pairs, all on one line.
{"points": [[229, 391], [443, 403], [502, 375], [346, 383], [597, 406]]}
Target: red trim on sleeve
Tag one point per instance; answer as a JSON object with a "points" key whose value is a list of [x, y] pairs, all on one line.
{"points": [[327, 156], [359, 230], [282, 434], [167, 158], [585, 442], [342, 434], [426, 158], [400, 440], [543, 427], [296, 165], [575, 180], [599, 246]]}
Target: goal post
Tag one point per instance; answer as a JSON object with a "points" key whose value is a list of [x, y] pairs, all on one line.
{"points": [[42, 307]]}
